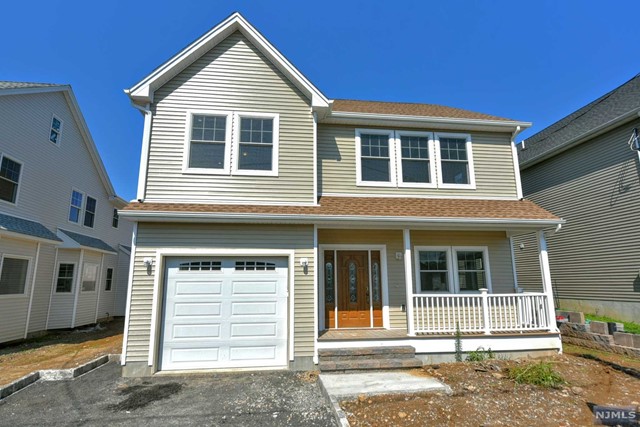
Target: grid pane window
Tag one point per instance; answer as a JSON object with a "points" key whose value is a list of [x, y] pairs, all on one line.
{"points": [[13, 278], [65, 278], [415, 159], [471, 270], [208, 142], [455, 163], [90, 212], [89, 277], [76, 206], [109, 279], [9, 179], [256, 144], [434, 271], [116, 219], [374, 152], [56, 130]]}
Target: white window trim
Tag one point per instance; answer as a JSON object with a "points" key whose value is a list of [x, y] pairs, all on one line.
{"points": [[27, 279], [452, 273], [432, 160], [57, 144], [84, 211], [113, 275], [472, 177], [275, 145], [81, 214], [487, 269], [392, 159], [14, 203], [450, 267], [95, 289], [57, 276], [227, 143]]}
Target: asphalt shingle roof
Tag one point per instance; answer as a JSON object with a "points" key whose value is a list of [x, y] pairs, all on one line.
{"points": [[26, 227], [24, 85], [608, 107], [88, 241]]}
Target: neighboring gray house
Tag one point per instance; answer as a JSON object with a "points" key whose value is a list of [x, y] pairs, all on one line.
{"points": [[585, 169], [64, 252]]}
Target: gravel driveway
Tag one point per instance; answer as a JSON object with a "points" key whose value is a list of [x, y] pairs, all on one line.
{"points": [[102, 397]]}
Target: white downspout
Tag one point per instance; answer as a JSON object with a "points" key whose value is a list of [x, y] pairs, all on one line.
{"points": [[516, 164], [144, 152]]}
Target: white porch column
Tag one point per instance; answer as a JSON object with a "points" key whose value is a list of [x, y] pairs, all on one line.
{"points": [[546, 279], [408, 279]]}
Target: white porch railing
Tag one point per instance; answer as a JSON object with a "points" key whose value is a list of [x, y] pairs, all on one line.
{"points": [[481, 313]]}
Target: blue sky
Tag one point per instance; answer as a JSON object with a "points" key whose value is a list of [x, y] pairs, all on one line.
{"points": [[528, 60]]}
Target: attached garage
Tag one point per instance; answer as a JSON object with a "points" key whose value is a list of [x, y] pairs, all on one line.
{"points": [[224, 312]]}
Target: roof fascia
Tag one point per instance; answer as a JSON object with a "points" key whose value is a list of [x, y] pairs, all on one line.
{"points": [[142, 92], [30, 90], [597, 131], [21, 236]]}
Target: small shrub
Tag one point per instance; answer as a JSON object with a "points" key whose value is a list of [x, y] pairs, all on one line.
{"points": [[480, 355], [540, 374]]}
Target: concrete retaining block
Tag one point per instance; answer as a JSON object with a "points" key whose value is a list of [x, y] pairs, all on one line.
{"points": [[19, 384], [576, 317], [623, 338], [599, 327]]}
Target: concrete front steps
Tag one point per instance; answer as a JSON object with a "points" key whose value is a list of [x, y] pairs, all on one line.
{"points": [[368, 358]]}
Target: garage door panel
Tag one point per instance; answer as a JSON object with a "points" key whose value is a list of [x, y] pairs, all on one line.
{"points": [[191, 309], [254, 287], [197, 288], [190, 355], [246, 353], [196, 331], [256, 308], [254, 330]]}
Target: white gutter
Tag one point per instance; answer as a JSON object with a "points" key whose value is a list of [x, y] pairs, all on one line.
{"points": [[516, 165], [144, 152]]}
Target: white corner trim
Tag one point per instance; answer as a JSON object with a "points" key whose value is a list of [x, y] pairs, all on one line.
{"points": [[54, 280], [78, 281], [316, 190], [406, 237], [33, 285], [516, 170], [144, 151], [316, 291], [127, 313]]}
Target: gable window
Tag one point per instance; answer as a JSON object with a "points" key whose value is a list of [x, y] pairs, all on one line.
{"points": [[208, 143], [452, 269], [56, 130], [109, 279], [257, 144], [416, 167], [9, 179], [456, 163], [76, 206], [13, 275], [90, 212], [116, 218], [375, 159], [64, 281], [89, 277]]}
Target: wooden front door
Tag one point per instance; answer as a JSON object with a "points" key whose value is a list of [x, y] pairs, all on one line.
{"points": [[353, 289]]}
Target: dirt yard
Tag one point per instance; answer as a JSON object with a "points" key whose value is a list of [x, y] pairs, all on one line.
{"points": [[60, 350], [483, 395]]}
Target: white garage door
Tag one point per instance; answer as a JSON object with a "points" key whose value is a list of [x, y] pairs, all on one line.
{"points": [[224, 313]]}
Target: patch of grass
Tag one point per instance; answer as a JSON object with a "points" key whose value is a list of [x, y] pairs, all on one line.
{"points": [[480, 355], [631, 327], [540, 374]]}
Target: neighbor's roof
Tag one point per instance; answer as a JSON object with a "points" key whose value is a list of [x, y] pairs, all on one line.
{"points": [[622, 102], [26, 227], [88, 241], [370, 208], [25, 85], [409, 109]]}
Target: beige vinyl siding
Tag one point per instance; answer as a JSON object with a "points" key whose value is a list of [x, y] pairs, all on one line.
{"points": [[120, 283], [13, 308], [595, 188], [198, 236], [42, 291], [233, 76], [492, 157], [525, 249]]}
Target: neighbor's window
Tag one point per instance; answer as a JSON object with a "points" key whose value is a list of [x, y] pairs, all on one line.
{"points": [[454, 160], [76, 206], [375, 157], [471, 270], [256, 144], [109, 280], [433, 271], [89, 277], [116, 219], [13, 277], [56, 130], [9, 179], [64, 281], [208, 142], [415, 162], [90, 212]]}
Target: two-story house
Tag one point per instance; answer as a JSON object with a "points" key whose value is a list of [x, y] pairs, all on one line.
{"points": [[585, 168], [274, 224], [64, 251]]}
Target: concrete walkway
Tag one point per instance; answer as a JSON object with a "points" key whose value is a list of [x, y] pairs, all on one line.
{"points": [[370, 383]]}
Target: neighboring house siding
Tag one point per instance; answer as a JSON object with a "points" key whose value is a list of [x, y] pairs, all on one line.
{"points": [[525, 249], [233, 76], [61, 310], [42, 294], [121, 281], [151, 237], [492, 157], [107, 298], [595, 187]]}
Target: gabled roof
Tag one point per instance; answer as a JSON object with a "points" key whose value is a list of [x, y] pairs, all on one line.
{"points": [[23, 88], [622, 103], [14, 225], [142, 92], [77, 240]]}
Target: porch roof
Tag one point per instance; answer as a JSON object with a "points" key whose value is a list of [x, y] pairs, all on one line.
{"points": [[374, 209]]}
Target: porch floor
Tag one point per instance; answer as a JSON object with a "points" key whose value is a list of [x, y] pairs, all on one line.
{"points": [[367, 334]]}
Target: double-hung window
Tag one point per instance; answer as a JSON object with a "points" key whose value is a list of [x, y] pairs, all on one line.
{"points": [[452, 269], [76, 206], [115, 220], [90, 212], [416, 168], [64, 281], [89, 277], [375, 158], [56, 130], [208, 149], [13, 275], [109, 279], [10, 171], [456, 161], [257, 144]]}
